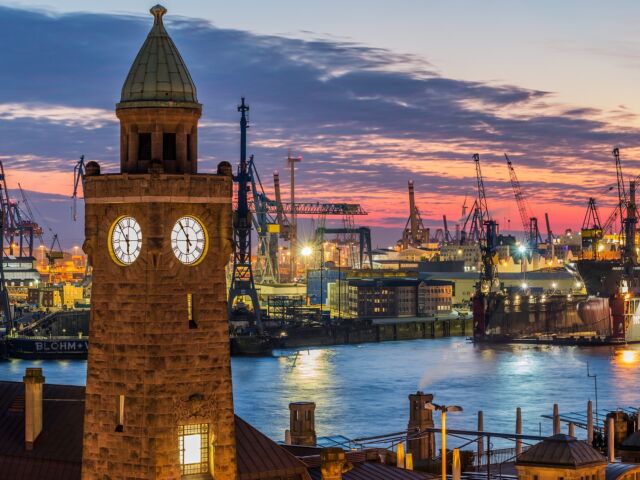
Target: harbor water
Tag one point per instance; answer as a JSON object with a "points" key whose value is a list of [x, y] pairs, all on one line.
{"points": [[361, 390]]}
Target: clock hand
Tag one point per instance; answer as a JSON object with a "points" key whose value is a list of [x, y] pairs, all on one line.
{"points": [[126, 237], [186, 235]]}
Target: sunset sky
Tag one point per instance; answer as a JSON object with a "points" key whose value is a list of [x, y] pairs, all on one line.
{"points": [[370, 93]]}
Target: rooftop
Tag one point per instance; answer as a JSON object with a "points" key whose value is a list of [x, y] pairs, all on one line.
{"points": [[158, 73], [561, 451], [259, 458]]}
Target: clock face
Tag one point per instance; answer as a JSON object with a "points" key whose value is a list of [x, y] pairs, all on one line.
{"points": [[125, 240], [189, 240]]}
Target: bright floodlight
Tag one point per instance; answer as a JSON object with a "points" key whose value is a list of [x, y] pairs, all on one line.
{"points": [[524, 285], [442, 408], [306, 251], [554, 285], [522, 249]]}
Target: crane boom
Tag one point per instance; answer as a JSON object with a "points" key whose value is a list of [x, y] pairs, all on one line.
{"points": [[78, 178], [622, 190], [482, 198], [520, 199], [311, 208]]}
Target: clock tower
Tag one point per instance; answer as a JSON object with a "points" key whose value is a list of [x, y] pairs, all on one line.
{"points": [[158, 235]]}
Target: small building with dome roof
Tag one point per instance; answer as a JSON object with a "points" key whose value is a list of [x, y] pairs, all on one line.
{"points": [[561, 457]]}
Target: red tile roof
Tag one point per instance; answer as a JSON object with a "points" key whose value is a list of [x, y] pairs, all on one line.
{"points": [[57, 453], [272, 459]]}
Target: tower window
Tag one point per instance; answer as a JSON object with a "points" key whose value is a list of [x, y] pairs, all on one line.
{"points": [[144, 146], [120, 407], [194, 448], [191, 315], [189, 159], [169, 146]]}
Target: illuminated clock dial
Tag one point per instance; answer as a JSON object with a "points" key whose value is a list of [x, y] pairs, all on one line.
{"points": [[125, 240], [189, 240]]}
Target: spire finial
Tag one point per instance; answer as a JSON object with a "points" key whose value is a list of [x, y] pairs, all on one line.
{"points": [[158, 11]]}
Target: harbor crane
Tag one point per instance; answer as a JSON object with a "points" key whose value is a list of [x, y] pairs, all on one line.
{"points": [[488, 280], [78, 179], [591, 232], [414, 233], [271, 221], [619, 210], [242, 281], [4, 293], [529, 222], [293, 219], [622, 189], [550, 246], [19, 227], [472, 221]]}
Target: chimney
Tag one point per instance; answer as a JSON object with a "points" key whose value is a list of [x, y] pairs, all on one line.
{"points": [[420, 444], [302, 423], [33, 381], [333, 463]]}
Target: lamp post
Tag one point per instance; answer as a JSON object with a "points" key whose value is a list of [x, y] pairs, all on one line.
{"points": [[321, 280], [443, 409], [339, 285], [306, 253]]}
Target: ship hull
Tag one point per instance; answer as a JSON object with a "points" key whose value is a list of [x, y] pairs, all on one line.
{"points": [[601, 277], [561, 319]]}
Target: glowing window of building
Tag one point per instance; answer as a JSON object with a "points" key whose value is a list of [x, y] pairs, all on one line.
{"points": [[194, 448]]}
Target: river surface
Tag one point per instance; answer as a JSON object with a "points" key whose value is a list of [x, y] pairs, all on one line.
{"points": [[361, 390]]}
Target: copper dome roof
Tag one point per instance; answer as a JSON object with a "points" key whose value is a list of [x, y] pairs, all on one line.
{"points": [[158, 73], [561, 451]]}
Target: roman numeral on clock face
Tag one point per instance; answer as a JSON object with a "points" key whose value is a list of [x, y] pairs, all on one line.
{"points": [[189, 240], [125, 240]]}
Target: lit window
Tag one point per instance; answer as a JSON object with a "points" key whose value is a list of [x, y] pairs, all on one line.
{"points": [[194, 448]]}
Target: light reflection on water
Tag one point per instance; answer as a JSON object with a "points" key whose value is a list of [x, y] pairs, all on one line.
{"points": [[362, 390]]}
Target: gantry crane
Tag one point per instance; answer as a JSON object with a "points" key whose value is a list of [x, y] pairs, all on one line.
{"points": [[19, 226], [242, 281], [529, 222]]}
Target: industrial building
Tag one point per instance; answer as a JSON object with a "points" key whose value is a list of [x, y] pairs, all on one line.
{"points": [[366, 298]]}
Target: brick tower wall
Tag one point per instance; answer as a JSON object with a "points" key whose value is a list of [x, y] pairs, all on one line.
{"points": [[141, 345]]}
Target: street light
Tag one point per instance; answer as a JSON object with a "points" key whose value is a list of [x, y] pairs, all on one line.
{"points": [[339, 285], [306, 252], [443, 409]]}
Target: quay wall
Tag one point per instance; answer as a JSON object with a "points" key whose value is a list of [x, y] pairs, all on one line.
{"points": [[361, 332]]}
